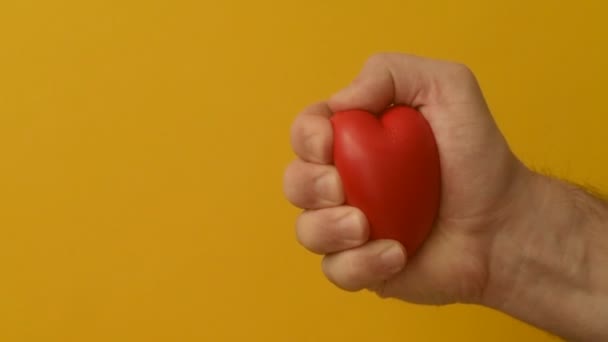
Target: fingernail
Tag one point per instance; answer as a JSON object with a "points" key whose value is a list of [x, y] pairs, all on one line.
{"points": [[313, 144], [393, 259], [351, 224], [325, 187]]}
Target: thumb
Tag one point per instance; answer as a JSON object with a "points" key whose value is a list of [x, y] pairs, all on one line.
{"points": [[394, 78]]}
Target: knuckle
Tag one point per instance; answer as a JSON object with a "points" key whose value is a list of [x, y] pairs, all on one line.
{"points": [[301, 225], [296, 178], [342, 231], [348, 228], [360, 223], [311, 143], [298, 129], [329, 230], [306, 234], [311, 138], [341, 272], [327, 188], [381, 58], [462, 72], [377, 58], [289, 177], [351, 273]]}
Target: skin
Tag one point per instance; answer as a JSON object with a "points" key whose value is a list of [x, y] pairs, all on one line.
{"points": [[506, 237]]}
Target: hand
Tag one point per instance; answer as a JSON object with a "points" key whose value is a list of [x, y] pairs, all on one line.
{"points": [[482, 183], [528, 245]]}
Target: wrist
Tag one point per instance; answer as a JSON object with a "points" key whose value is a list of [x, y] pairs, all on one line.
{"points": [[547, 262]]}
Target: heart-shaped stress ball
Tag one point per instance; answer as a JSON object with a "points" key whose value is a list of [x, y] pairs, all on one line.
{"points": [[389, 166]]}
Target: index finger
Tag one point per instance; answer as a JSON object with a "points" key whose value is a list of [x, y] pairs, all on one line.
{"points": [[312, 134]]}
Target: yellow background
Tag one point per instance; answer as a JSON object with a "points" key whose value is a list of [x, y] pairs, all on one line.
{"points": [[142, 145]]}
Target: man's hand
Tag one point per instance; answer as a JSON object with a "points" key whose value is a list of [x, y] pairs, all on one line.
{"points": [[490, 226], [480, 180]]}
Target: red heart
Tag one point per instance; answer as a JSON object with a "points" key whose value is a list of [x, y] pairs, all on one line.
{"points": [[389, 166]]}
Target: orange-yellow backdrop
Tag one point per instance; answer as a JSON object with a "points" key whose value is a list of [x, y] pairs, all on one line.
{"points": [[142, 145]]}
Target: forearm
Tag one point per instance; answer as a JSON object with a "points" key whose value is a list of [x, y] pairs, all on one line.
{"points": [[549, 264]]}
